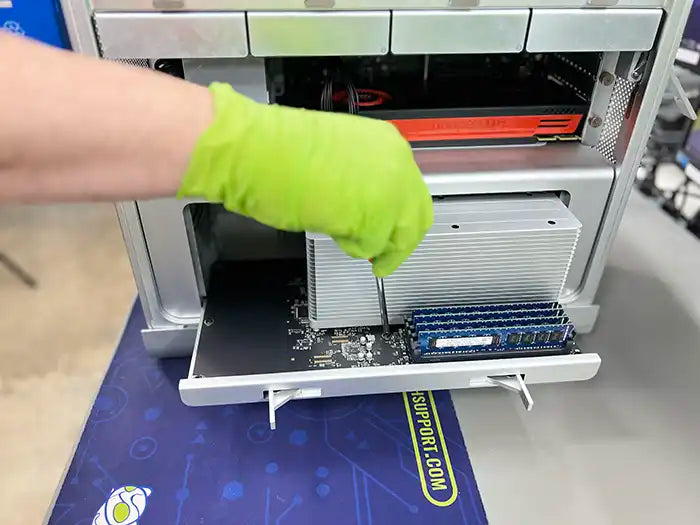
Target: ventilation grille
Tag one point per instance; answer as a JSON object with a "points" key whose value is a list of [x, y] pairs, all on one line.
{"points": [[480, 250], [622, 91], [137, 62]]}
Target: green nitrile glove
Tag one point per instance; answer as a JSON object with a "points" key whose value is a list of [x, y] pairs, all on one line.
{"points": [[349, 177]]}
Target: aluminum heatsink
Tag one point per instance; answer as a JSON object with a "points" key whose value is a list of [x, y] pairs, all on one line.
{"points": [[480, 250]]}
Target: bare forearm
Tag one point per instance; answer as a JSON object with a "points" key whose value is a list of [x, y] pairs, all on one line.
{"points": [[76, 128]]}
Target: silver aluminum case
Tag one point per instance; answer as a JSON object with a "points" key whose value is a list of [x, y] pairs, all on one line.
{"points": [[204, 34], [353, 5], [172, 328]]}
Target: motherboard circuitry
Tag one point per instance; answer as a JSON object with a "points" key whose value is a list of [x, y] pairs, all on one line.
{"points": [[256, 321], [340, 347]]}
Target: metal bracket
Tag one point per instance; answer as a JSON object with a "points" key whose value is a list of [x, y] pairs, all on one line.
{"points": [[277, 398], [602, 95], [681, 98], [514, 383]]}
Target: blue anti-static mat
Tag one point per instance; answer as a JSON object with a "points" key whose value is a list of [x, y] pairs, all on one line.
{"points": [[145, 456]]}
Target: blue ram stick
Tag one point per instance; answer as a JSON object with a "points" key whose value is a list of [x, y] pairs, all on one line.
{"points": [[486, 308], [488, 323], [424, 337], [515, 341], [492, 331], [504, 314]]}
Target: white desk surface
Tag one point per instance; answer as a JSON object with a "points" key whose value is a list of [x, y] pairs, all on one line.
{"points": [[623, 448]]}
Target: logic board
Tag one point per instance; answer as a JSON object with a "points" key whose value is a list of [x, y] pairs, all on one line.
{"points": [[256, 322], [340, 347]]}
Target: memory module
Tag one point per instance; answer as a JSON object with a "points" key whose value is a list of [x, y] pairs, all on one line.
{"points": [[489, 331], [487, 308], [469, 316], [423, 330]]}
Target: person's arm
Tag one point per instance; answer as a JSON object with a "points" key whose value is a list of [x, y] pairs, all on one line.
{"points": [[77, 128]]}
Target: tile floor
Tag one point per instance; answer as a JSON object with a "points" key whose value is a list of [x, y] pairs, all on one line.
{"points": [[55, 341]]}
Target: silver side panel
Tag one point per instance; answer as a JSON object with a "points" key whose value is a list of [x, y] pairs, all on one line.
{"points": [[479, 250], [172, 35], [559, 30], [319, 34], [171, 266], [473, 31]]}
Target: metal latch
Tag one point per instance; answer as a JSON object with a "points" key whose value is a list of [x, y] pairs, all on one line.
{"points": [[277, 398], [681, 98], [514, 383]]}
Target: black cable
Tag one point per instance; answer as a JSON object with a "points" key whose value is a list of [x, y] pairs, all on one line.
{"points": [[327, 91], [353, 98], [327, 95], [335, 77], [330, 105]]}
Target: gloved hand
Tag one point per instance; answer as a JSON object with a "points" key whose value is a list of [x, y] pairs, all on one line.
{"points": [[349, 177]]}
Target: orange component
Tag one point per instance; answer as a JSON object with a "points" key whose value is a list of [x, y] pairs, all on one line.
{"points": [[470, 128], [368, 97]]}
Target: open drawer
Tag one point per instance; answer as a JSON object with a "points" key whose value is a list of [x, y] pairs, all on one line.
{"points": [[254, 344]]}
